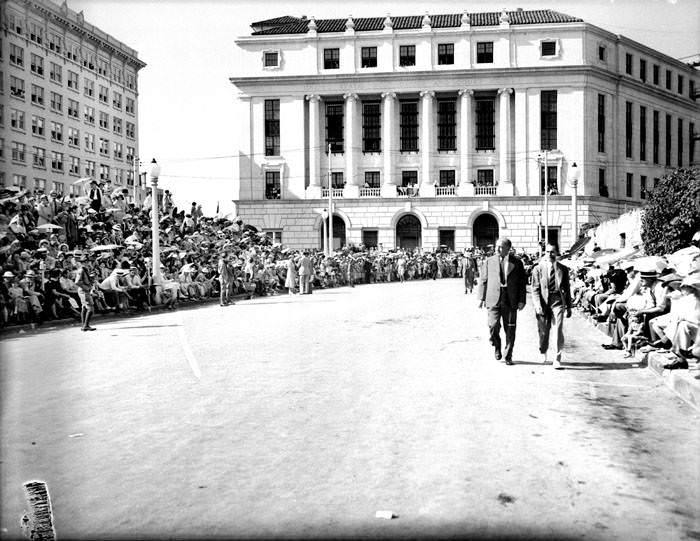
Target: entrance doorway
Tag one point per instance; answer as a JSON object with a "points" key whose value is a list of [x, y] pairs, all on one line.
{"points": [[485, 230], [446, 239], [339, 240], [408, 232]]}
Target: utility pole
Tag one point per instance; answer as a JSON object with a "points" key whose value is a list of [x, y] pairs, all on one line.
{"points": [[546, 201], [330, 204]]}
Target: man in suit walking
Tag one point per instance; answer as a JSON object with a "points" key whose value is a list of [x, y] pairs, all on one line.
{"points": [[305, 271], [502, 290], [551, 296]]}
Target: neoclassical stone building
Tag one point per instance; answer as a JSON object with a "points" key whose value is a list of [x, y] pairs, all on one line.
{"points": [[441, 129]]}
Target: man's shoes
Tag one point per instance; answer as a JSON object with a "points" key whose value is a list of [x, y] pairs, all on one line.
{"points": [[675, 365], [543, 357], [610, 346], [88, 328], [498, 355], [557, 364], [509, 361]]}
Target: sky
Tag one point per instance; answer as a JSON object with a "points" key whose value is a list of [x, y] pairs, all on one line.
{"points": [[186, 102]]}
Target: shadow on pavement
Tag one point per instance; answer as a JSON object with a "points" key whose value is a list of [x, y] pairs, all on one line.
{"points": [[147, 326], [636, 364]]}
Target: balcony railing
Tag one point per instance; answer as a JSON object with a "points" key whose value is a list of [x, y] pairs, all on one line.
{"points": [[445, 190], [407, 191], [484, 190], [370, 192], [337, 192]]}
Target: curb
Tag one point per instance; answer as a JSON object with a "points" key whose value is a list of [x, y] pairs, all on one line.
{"points": [[684, 382]]}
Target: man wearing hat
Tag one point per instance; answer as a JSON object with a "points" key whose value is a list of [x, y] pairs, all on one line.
{"points": [[469, 270], [85, 282], [617, 319], [95, 196]]}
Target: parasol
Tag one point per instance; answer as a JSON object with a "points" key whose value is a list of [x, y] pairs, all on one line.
{"points": [[45, 228], [104, 247]]}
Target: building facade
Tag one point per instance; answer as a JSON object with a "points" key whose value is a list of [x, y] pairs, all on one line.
{"points": [[452, 129], [69, 101]]}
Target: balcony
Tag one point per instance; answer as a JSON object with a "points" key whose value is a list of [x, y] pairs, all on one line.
{"points": [[337, 192], [445, 191], [370, 192], [407, 191], [484, 190]]}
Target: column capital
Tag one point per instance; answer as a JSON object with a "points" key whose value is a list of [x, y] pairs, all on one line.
{"points": [[427, 94], [506, 91], [350, 96], [466, 91], [313, 97], [389, 95]]}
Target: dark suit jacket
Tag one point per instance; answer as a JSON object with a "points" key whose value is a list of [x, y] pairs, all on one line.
{"points": [[490, 284], [540, 284]]}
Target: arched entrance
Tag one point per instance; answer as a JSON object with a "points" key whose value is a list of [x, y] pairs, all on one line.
{"points": [[339, 240], [408, 232], [485, 230]]}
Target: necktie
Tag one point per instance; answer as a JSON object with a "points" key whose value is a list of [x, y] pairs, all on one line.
{"points": [[503, 274]]}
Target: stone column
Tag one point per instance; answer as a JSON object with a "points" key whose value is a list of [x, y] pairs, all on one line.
{"points": [[352, 144], [427, 183], [466, 145], [313, 191], [505, 184], [389, 147]]}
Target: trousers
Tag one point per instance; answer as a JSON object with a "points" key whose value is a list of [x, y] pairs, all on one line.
{"points": [[552, 318], [508, 316]]}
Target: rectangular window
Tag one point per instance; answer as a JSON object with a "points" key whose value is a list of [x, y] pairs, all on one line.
{"points": [[19, 180], [484, 52], [57, 187], [104, 146], [90, 142], [37, 95], [628, 63], [117, 125], [103, 94], [40, 184], [331, 59], [447, 124], [552, 182], [548, 48], [74, 165], [104, 172], [73, 108], [680, 84], [16, 55], [18, 152], [16, 87], [55, 42], [130, 130], [548, 119], [409, 178], [56, 102], [447, 177], [118, 149], [372, 179], [271, 59], [36, 32], [37, 64], [334, 127], [602, 187], [691, 89], [371, 127], [484, 177], [446, 53], [37, 126], [485, 134], [601, 122], [369, 57], [116, 100], [89, 114], [56, 73], [72, 80], [628, 129], [104, 120], [39, 157], [74, 137], [275, 235], [57, 131], [643, 69], [642, 187], [668, 79], [642, 133], [409, 126], [629, 185], [668, 140], [370, 238], [680, 142], [130, 106], [655, 74], [57, 161], [407, 55], [272, 185], [17, 119], [88, 87], [102, 67], [655, 137], [337, 180], [656, 182], [601, 53], [691, 143], [90, 168], [272, 127]]}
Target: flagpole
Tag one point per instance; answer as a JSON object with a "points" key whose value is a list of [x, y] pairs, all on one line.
{"points": [[330, 204]]}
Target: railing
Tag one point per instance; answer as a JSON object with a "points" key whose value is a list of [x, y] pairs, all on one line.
{"points": [[445, 190], [370, 192], [337, 192], [407, 191], [484, 190]]}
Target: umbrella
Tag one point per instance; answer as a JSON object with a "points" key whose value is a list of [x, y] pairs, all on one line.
{"points": [[609, 259], [82, 180], [652, 263], [49, 227], [104, 247]]}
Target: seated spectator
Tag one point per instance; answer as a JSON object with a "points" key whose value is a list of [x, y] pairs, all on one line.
{"points": [[114, 291]]}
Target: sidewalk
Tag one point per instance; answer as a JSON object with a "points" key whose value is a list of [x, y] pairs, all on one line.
{"points": [[684, 382]]}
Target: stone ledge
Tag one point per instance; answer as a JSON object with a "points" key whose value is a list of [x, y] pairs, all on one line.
{"points": [[684, 382]]}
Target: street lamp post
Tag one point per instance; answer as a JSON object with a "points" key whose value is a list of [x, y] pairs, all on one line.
{"points": [[324, 243], [155, 223], [575, 174]]}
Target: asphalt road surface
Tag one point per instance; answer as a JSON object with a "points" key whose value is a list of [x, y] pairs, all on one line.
{"points": [[302, 416]]}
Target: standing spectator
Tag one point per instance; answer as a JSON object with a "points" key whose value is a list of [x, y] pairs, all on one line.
{"points": [[43, 210], [290, 281], [95, 196], [167, 203], [85, 282], [469, 270], [305, 272], [225, 279]]}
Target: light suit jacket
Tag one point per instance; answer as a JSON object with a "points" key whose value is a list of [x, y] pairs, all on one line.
{"points": [[490, 283], [540, 284]]}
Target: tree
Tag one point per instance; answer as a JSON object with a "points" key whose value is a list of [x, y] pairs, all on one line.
{"points": [[672, 213]]}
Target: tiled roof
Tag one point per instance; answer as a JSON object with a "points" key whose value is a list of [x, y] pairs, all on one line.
{"points": [[293, 25]]}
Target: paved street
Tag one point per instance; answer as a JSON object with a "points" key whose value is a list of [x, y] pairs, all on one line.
{"points": [[303, 416]]}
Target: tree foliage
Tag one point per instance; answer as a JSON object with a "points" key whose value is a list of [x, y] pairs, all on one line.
{"points": [[671, 215]]}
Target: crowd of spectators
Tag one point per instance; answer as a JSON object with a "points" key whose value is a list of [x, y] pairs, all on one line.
{"points": [[46, 238], [646, 302]]}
